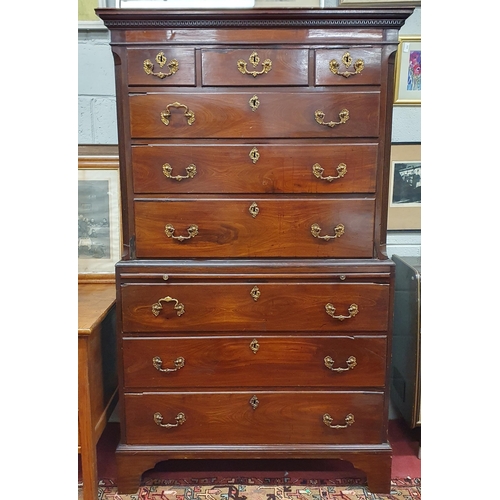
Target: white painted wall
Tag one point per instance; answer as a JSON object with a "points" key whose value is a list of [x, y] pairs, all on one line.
{"points": [[97, 108]]}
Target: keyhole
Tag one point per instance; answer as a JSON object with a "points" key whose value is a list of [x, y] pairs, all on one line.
{"points": [[254, 102], [161, 59], [254, 59], [254, 155]]}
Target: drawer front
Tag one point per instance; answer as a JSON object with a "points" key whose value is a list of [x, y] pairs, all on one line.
{"points": [[161, 66], [262, 66], [227, 306], [351, 66], [279, 417], [278, 115], [254, 227], [255, 168], [259, 361]]}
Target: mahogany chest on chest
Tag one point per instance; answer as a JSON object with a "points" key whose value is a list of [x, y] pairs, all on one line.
{"points": [[255, 296]]}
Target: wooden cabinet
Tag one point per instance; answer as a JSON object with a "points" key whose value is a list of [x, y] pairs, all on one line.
{"points": [[255, 296]]}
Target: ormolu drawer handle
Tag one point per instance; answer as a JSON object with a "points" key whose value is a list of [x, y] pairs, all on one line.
{"points": [[318, 172], [179, 420], [161, 60], [330, 310], [319, 116], [192, 231], [157, 307], [190, 169], [254, 59], [359, 65], [351, 363], [165, 115], [339, 231], [327, 420], [178, 364]]}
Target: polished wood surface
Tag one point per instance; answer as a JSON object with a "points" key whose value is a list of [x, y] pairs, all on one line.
{"points": [[97, 386], [197, 295], [234, 360]]}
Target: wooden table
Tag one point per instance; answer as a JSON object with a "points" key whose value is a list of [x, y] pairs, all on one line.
{"points": [[97, 375]]}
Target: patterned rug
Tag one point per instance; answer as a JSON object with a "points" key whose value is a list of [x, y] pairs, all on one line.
{"points": [[260, 489]]}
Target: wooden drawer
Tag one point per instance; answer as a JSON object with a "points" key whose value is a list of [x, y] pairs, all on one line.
{"points": [[263, 66], [229, 114], [164, 66], [226, 227], [228, 306], [366, 60], [228, 417], [254, 361], [255, 168]]}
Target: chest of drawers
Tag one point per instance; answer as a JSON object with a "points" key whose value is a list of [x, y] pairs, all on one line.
{"points": [[254, 296]]}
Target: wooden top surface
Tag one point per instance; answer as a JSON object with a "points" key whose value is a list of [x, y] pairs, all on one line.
{"points": [[94, 301]]}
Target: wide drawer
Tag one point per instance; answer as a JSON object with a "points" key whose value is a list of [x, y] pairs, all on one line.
{"points": [[254, 305], [263, 66], [254, 417], [255, 113], [254, 168], [254, 361], [348, 66], [254, 227], [161, 66]]}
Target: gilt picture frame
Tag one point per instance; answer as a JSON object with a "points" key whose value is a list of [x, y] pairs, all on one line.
{"points": [[408, 74], [405, 185], [99, 218]]}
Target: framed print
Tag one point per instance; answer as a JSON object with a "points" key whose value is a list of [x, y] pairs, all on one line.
{"points": [[405, 187], [408, 85], [99, 221]]}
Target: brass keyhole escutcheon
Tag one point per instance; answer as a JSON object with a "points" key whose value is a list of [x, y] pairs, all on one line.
{"points": [[254, 155], [255, 293], [254, 346], [358, 67], [254, 102], [161, 59], [254, 61], [254, 402], [254, 209]]}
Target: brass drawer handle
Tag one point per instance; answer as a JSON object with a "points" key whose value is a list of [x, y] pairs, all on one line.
{"points": [[327, 420], [179, 420], [353, 310], [161, 60], [339, 231], [165, 115], [192, 231], [178, 306], [351, 363], [190, 170], [254, 59], [359, 66], [318, 172], [319, 116], [158, 363]]}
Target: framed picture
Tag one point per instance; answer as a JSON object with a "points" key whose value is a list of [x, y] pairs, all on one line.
{"points": [[408, 71], [99, 218], [381, 3], [405, 187]]}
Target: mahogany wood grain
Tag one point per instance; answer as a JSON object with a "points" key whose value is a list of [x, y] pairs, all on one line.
{"points": [[280, 114], [280, 168], [229, 417], [229, 306], [288, 67], [229, 361], [282, 228]]}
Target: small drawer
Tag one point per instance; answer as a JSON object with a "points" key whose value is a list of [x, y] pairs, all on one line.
{"points": [[253, 305], [255, 361], [254, 168], [161, 66], [248, 67], [255, 417], [254, 114], [254, 227], [348, 66]]}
